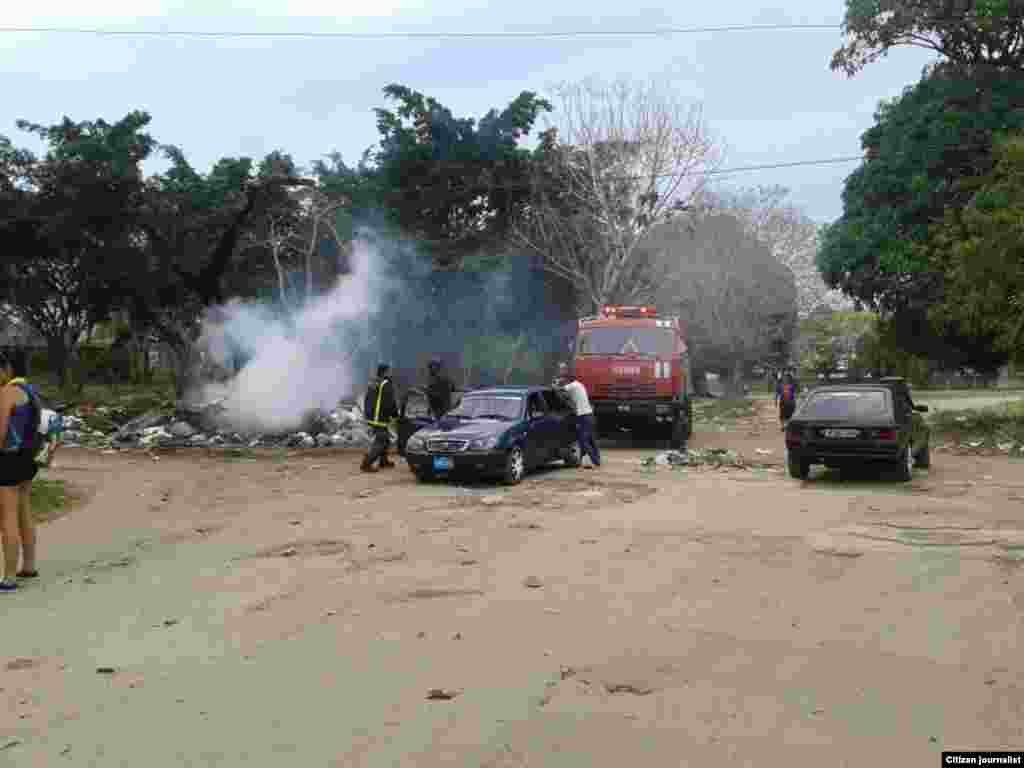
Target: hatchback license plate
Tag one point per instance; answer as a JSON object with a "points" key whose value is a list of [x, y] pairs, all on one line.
{"points": [[442, 462], [841, 433]]}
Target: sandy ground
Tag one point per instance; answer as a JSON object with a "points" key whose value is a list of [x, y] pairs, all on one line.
{"points": [[197, 611]]}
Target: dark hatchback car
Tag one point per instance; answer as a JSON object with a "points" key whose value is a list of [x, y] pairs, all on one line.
{"points": [[858, 424], [502, 432]]}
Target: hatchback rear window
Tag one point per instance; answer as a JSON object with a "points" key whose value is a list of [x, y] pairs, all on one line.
{"points": [[850, 405]]}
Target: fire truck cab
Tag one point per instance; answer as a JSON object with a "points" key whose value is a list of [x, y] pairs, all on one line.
{"points": [[636, 368]]}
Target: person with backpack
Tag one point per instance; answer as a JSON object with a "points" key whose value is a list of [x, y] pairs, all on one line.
{"points": [[785, 397], [20, 444]]}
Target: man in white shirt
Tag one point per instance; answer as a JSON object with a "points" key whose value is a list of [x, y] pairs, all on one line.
{"points": [[577, 395]]}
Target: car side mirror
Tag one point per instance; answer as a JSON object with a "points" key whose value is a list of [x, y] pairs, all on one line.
{"points": [[921, 408]]}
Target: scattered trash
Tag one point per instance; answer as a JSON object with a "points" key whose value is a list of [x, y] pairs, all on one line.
{"points": [[764, 451], [532, 582], [442, 694], [637, 689], [9, 744], [712, 457], [105, 670], [490, 501]]}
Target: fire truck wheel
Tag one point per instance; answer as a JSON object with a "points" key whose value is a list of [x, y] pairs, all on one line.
{"points": [[681, 430]]}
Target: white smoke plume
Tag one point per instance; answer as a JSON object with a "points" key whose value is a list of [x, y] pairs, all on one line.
{"points": [[298, 365]]}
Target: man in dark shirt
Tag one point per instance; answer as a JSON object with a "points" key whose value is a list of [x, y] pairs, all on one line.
{"points": [[439, 390]]}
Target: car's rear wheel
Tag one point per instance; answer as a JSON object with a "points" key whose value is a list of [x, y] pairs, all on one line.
{"points": [[799, 469], [573, 456], [515, 466], [907, 464], [423, 475], [924, 456]]}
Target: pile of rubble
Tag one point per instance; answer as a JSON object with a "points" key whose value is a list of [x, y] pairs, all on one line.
{"points": [[203, 426]]}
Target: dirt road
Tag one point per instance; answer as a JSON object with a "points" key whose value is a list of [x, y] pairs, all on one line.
{"points": [[206, 612]]}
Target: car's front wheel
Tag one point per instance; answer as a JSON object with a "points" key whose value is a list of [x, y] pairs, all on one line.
{"points": [[423, 475], [515, 466]]}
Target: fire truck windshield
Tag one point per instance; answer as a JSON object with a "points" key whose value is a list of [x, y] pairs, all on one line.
{"points": [[656, 342]]}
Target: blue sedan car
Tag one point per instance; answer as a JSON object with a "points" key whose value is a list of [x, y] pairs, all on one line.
{"points": [[502, 432]]}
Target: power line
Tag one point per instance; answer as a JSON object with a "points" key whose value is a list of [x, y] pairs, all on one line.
{"points": [[664, 32], [772, 166]]}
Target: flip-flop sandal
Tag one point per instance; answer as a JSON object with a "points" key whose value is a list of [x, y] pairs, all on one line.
{"points": [[8, 586], [28, 574]]}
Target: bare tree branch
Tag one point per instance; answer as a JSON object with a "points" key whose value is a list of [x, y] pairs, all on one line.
{"points": [[623, 158]]}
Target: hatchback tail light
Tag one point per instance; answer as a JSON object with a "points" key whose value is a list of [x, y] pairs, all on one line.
{"points": [[793, 438], [886, 434]]}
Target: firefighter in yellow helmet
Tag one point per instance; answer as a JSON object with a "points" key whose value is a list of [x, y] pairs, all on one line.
{"points": [[381, 409]]}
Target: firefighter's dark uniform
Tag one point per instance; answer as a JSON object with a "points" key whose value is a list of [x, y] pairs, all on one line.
{"points": [[380, 408]]}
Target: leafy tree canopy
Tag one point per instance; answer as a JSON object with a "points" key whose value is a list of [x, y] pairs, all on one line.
{"points": [[940, 130], [971, 34], [451, 183], [68, 224], [980, 249]]}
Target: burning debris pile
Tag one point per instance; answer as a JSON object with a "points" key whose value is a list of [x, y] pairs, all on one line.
{"points": [[204, 426]]}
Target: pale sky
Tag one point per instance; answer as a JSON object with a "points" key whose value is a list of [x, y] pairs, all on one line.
{"points": [[769, 95]]}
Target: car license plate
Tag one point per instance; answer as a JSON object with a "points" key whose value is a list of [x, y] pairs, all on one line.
{"points": [[442, 463], [841, 433]]}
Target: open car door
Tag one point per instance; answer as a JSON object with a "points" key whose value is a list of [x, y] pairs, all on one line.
{"points": [[413, 415]]}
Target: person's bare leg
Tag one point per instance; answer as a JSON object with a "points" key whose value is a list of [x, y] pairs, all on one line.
{"points": [[9, 530], [27, 528]]}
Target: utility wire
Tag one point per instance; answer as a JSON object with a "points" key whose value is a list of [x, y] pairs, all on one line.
{"points": [[662, 32], [665, 32]]}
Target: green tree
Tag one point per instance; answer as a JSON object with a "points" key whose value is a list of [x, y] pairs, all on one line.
{"points": [[453, 184], [971, 34], [980, 250], [192, 227], [70, 226], [938, 132]]}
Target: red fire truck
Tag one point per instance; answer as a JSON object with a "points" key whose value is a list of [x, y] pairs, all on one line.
{"points": [[636, 368]]}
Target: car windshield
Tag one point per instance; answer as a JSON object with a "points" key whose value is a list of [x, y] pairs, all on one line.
{"points": [[658, 342], [489, 407], [847, 406]]}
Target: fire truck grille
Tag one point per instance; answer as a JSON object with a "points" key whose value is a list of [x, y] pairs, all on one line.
{"points": [[629, 391]]}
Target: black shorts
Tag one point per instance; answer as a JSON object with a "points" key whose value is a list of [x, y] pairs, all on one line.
{"points": [[15, 469]]}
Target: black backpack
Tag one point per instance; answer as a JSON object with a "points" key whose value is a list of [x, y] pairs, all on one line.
{"points": [[32, 443]]}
